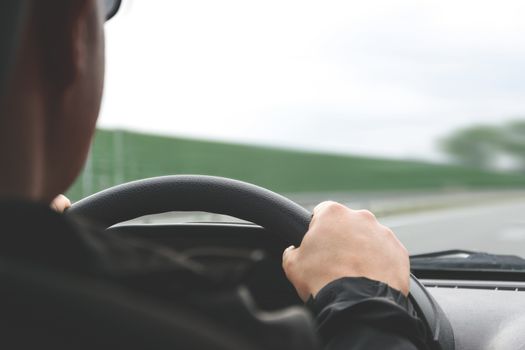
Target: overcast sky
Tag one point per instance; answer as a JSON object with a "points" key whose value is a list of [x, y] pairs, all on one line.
{"points": [[385, 77]]}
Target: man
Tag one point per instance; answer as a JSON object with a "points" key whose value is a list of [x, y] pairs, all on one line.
{"points": [[352, 271]]}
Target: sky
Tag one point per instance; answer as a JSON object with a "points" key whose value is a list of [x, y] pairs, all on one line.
{"points": [[377, 77]]}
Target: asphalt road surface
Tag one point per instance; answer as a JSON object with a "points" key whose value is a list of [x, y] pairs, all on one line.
{"points": [[489, 221], [497, 227]]}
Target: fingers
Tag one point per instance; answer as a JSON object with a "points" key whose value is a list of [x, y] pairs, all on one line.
{"points": [[341, 242], [60, 203], [331, 208]]}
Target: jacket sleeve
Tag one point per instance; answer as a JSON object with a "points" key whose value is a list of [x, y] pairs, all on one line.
{"points": [[359, 313]]}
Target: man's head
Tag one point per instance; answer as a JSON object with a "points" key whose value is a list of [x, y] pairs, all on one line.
{"points": [[52, 97]]}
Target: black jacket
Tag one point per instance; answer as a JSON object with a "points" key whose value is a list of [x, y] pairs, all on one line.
{"points": [[359, 313], [351, 313]]}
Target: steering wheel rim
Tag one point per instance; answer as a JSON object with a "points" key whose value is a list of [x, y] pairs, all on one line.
{"points": [[196, 193]]}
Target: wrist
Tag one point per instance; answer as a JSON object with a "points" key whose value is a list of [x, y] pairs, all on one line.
{"points": [[355, 289]]}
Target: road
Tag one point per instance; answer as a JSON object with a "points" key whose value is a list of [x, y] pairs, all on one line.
{"points": [[497, 227], [491, 221]]}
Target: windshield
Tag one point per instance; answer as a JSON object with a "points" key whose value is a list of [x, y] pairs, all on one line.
{"points": [[412, 109]]}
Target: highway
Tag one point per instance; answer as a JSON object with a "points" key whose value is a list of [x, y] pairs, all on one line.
{"points": [[497, 227], [489, 221]]}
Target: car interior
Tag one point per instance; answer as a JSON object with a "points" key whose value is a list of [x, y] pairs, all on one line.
{"points": [[462, 310]]}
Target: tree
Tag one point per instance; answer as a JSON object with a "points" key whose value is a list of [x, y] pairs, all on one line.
{"points": [[475, 146], [514, 141]]}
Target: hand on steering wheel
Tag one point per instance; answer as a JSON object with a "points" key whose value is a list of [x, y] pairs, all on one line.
{"points": [[342, 242]]}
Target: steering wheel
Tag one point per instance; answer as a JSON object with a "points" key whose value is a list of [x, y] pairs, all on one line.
{"points": [[196, 193], [238, 199]]}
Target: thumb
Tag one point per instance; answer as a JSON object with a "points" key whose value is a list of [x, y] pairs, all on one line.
{"points": [[288, 256]]}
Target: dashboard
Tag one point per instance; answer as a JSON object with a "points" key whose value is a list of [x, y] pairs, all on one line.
{"points": [[483, 314]]}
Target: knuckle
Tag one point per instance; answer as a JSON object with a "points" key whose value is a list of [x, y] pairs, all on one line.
{"points": [[334, 207], [328, 208], [366, 214], [322, 206]]}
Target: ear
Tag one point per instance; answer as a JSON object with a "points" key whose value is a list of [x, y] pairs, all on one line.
{"points": [[62, 31]]}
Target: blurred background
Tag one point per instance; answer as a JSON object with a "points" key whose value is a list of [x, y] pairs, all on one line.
{"points": [[413, 109]]}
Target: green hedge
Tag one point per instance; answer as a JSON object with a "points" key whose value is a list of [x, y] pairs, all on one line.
{"points": [[120, 156]]}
